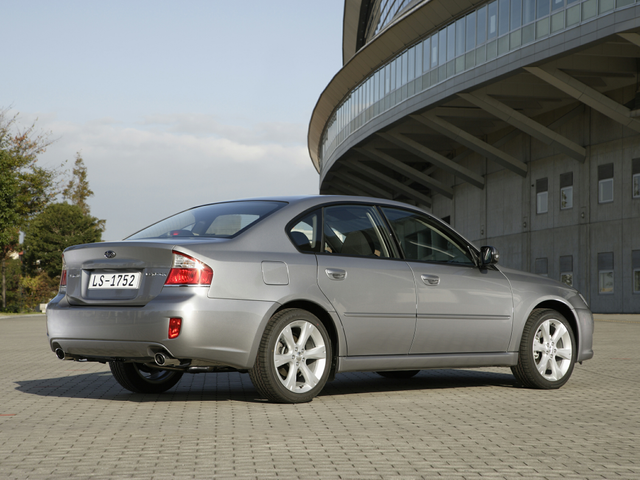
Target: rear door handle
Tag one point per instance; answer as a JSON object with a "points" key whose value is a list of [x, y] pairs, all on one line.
{"points": [[336, 273], [431, 280]]}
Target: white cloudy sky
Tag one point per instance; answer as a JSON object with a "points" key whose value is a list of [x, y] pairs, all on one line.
{"points": [[172, 103]]}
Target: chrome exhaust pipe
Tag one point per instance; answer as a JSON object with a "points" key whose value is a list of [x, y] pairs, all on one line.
{"points": [[163, 360], [60, 353]]}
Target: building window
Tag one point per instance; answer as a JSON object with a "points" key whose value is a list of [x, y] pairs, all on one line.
{"points": [[635, 175], [566, 270], [566, 191], [605, 183], [635, 259], [542, 195], [605, 273], [542, 267]]}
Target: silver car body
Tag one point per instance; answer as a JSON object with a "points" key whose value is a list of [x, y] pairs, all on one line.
{"points": [[381, 314]]}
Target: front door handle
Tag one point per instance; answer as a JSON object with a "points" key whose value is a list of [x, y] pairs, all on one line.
{"points": [[336, 273], [431, 280]]}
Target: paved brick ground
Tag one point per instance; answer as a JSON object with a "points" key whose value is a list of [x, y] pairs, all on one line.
{"points": [[72, 420]]}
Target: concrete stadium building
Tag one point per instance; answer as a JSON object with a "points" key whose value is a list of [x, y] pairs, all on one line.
{"points": [[517, 121]]}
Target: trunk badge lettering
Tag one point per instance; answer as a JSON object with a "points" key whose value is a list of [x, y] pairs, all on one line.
{"points": [[110, 254]]}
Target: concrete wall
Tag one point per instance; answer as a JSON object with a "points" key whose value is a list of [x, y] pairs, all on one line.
{"points": [[503, 214]]}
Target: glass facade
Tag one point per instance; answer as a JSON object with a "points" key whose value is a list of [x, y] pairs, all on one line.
{"points": [[491, 30], [383, 13]]}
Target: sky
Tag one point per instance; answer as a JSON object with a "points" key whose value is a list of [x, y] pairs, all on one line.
{"points": [[171, 104]]}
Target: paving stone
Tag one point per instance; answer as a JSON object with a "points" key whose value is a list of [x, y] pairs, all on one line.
{"points": [[72, 420]]}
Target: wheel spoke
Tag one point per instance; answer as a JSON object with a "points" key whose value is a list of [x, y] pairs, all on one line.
{"points": [[317, 353], [542, 365], [287, 336], [561, 330], [281, 359], [538, 347], [555, 371], [544, 329], [290, 381], [306, 330], [310, 378], [564, 353]]}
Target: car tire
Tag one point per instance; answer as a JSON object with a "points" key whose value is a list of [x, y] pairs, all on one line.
{"points": [[294, 358], [138, 378], [547, 351], [399, 374]]}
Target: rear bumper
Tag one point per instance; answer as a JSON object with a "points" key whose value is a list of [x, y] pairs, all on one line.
{"points": [[225, 332]]}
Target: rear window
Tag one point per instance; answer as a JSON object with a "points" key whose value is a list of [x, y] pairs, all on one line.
{"points": [[221, 220]]}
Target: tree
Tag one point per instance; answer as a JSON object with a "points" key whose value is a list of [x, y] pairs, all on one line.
{"points": [[77, 190], [59, 226], [36, 290], [25, 187], [12, 279]]}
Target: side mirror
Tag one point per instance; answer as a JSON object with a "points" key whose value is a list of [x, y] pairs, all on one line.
{"points": [[489, 256]]}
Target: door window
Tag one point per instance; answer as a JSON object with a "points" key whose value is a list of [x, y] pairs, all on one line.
{"points": [[425, 241], [354, 230]]}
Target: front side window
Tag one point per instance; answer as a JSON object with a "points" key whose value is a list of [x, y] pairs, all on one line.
{"points": [[354, 230], [423, 240]]}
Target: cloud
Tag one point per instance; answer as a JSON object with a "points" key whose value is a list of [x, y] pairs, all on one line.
{"points": [[209, 125], [144, 172]]}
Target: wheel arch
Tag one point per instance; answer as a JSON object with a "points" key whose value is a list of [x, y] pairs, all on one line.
{"points": [[327, 320], [567, 312]]}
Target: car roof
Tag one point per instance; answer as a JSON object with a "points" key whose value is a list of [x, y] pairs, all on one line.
{"points": [[308, 201]]}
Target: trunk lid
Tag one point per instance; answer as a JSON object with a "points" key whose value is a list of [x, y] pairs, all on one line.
{"points": [[117, 273]]}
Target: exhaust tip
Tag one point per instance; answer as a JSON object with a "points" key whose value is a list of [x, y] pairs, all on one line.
{"points": [[60, 353], [160, 359]]}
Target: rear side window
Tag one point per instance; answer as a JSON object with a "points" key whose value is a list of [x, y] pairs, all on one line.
{"points": [[305, 233], [354, 230], [217, 220], [424, 241]]}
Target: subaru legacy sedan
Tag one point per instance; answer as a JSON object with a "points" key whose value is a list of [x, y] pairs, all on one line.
{"points": [[296, 290]]}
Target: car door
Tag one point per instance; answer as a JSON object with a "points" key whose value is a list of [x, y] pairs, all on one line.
{"points": [[372, 292], [461, 308]]}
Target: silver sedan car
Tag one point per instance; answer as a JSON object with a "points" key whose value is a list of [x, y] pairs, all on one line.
{"points": [[296, 290]]}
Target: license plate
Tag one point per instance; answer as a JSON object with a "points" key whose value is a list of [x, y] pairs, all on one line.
{"points": [[114, 280]]}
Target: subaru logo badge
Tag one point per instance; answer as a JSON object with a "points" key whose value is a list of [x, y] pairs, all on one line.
{"points": [[110, 254]]}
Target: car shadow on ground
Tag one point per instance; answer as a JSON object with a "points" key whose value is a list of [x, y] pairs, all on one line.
{"points": [[369, 382], [235, 386]]}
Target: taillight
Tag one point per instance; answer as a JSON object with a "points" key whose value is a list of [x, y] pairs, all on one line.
{"points": [[63, 275], [174, 327], [187, 270]]}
